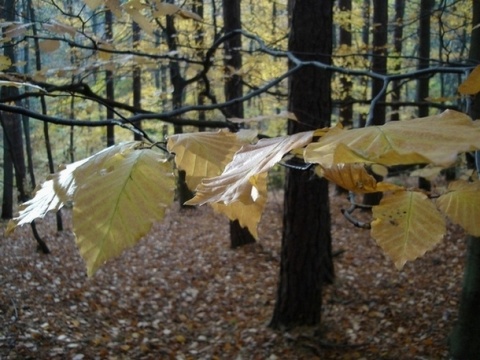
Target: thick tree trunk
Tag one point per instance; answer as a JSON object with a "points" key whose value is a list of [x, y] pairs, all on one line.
{"points": [[234, 89], [465, 337], [306, 261]]}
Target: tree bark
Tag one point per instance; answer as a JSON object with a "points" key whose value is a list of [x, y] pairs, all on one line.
{"points": [[397, 46], [379, 65], [306, 260], [14, 158], [465, 337], [109, 80], [233, 89]]}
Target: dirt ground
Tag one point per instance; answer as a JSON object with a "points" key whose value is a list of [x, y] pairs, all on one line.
{"points": [[182, 293]]}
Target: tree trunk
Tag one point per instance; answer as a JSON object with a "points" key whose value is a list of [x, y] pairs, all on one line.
{"points": [[397, 46], [136, 79], [178, 83], [14, 158], [233, 90], [346, 110], [306, 261], [465, 337], [109, 80], [423, 83], [379, 65]]}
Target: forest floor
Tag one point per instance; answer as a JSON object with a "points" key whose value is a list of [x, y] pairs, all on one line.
{"points": [[182, 293]]}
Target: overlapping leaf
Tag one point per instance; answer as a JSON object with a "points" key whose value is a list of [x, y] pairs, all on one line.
{"points": [[248, 215], [436, 139], [52, 195], [121, 193], [237, 182], [354, 177], [406, 225], [205, 154], [117, 194], [461, 204]]}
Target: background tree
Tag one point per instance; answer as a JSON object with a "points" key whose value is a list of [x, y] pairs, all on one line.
{"points": [[13, 158], [306, 258], [234, 90], [465, 337]]}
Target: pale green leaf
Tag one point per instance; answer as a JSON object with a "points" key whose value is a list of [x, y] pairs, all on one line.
{"points": [[436, 139], [248, 215], [406, 225], [5, 62], [120, 194], [237, 182], [204, 154], [461, 204]]}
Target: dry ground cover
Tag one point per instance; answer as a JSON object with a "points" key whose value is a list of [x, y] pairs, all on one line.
{"points": [[183, 294]]}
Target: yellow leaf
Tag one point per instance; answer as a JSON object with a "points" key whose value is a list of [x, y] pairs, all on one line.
{"points": [[204, 154], [354, 177], [407, 225], [435, 139], [471, 85], [122, 191], [461, 204], [235, 183], [248, 215]]}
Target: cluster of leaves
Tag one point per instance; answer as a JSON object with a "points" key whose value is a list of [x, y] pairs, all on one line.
{"points": [[118, 193]]}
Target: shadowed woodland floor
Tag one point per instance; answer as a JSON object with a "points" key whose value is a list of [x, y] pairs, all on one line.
{"points": [[182, 293]]}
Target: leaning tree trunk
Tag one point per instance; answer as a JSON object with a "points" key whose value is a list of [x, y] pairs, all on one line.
{"points": [[465, 337], [233, 89], [306, 261]]}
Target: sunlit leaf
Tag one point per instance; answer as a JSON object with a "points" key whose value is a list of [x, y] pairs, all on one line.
{"points": [[354, 177], [205, 154], [122, 191], [52, 195], [248, 215], [471, 85], [406, 225], [436, 139], [461, 204], [237, 182]]}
